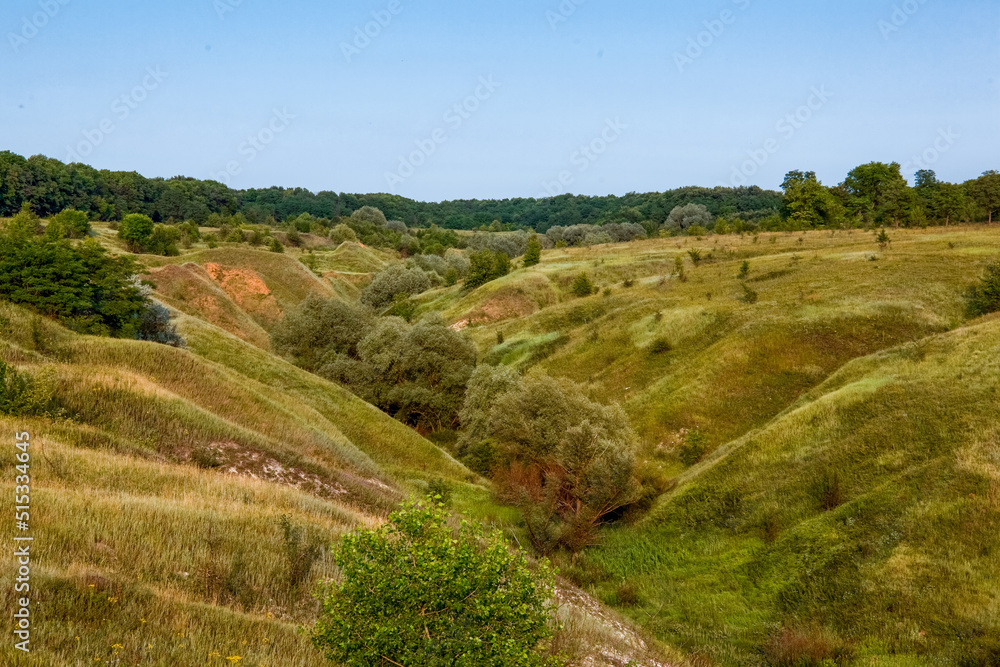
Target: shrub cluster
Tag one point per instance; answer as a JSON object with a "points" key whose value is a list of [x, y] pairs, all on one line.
{"points": [[82, 286], [565, 460], [454, 597], [416, 373]]}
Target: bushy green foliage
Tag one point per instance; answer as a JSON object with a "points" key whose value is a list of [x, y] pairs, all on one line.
{"points": [[692, 448], [393, 281], [136, 229], [486, 266], [417, 592], [319, 329], [416, 373], [660, 346], [984, 298], [683, 217], [533, 255], [419, 372], [163, 241], [370, 214], [24, 224], [570, 460], [808, 204], [342, 233], [81, 285], [582, 286], [404, 307], [744, 271], [23, 395], [75, 223], [878, 193]]}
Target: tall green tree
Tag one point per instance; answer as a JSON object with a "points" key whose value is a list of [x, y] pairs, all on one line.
{"points": [[533, 255], [808, 204], [985, 192], [878, 192]]}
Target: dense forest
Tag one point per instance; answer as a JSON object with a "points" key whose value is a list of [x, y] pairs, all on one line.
{"points": [[51, 186], [871, 194]]}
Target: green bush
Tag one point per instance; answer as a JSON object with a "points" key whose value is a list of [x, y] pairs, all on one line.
{"points": [[136, 229], [21, 395], [88, 290], [163, 241], [76, 224], [582, 286], [342, 233], [533, 255], [394, 281], [984, 298], [827, 491], [439, 491], [155, 326], [417, 592], [749, 296], [486, 266]]}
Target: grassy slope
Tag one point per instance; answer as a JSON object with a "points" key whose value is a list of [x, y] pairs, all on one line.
{"points": [[906, 564], [122, 503], [706, 573], [156, 506]]}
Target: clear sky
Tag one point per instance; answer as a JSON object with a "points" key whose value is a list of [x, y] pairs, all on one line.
{"points": [[584, 96]]}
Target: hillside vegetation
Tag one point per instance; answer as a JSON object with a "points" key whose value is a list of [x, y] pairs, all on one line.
{"points": [[184, 500], [826, 448]]}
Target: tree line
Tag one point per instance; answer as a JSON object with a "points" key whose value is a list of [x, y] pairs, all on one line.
{"points": [[51, 186]]}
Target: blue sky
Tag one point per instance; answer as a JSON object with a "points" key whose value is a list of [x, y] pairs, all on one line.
{"points": [[584, 96]]}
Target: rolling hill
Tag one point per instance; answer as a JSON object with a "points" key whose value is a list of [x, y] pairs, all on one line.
{"points": [[841, 415], [178, 492]]}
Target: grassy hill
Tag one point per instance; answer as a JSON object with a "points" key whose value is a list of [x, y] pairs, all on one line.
{"points": [[179, 491], [846, 501]]}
